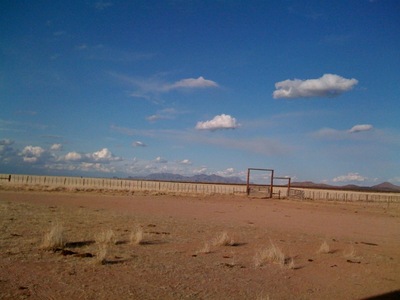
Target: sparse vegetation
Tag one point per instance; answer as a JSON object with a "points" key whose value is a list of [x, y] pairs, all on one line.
{"points": [[106, 237], [137, 236], [324, 248], [272, 254], [350, 253], [290, 263], [101, 254], [224, 240], [55, 238], [206, 248]]}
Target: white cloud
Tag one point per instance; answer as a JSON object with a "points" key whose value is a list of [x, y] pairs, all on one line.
{"points": [[200, 82], [185, 162], [56, 147], [329, 85], [218, 122], [73, 156], [350, 177], [160, 160], [104, 156], [33, 151], [139, 144], [227, 172], [32, 154], [361, 127]]}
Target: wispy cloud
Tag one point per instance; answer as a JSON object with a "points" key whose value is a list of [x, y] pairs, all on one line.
{"points": [[100, 5], [329, 85], [342, 134], [218, 122], [102, 52], [139, 144], [164, 114], [151, 88], [259, 145]]}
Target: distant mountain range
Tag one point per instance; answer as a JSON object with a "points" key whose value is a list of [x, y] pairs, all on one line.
{"points": [[382, 187], [196, 178]]}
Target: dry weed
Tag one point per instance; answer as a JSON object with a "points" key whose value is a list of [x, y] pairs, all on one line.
{"points": [[206, 248], [106, 237], [137, 236], [324, 248], [290, 264], [272, 254], [350, 254], [55, 238], [101, 254], [224, 240]]}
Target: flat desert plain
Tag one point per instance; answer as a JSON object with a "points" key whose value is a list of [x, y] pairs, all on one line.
{"points": [[143, 246]]}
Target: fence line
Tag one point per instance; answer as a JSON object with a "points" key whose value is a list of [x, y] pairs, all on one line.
{"points": [[86, 183]]}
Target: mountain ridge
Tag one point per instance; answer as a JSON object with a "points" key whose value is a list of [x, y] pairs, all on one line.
{"points": [[213, 178]]}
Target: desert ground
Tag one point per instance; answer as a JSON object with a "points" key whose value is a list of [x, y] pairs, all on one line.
{"points": [[144, 246]]}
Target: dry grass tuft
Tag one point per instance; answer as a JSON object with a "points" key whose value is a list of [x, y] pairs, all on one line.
{"points": [[224, 240], [350, 253], [272, 254], [55, 238], [106, 237], [290, 264], [101, 254], [324, 248], [206, 248], [137, 236]]}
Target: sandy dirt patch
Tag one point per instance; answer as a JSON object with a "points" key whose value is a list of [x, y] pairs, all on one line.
{"points": [[179, 256]]}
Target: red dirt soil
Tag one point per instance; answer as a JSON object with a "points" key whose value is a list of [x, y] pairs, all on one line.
{"points": [[363, 259]]}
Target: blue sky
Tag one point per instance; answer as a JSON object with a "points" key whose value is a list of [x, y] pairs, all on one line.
{"points": [[125, 88]]}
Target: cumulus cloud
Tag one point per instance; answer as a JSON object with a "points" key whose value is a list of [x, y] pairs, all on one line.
{"points": [[218, 122], [56, 147], [73, 156], [31, 154], [104, 156], [350, 177], [329, 85], [361, 127]]}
